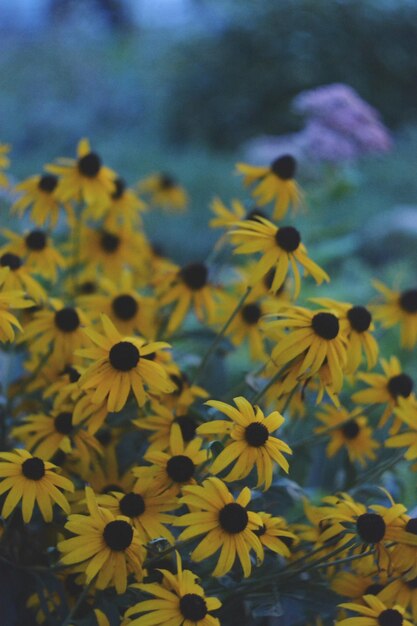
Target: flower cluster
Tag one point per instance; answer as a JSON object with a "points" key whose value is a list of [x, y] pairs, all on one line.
{"points": [[134, 492]]}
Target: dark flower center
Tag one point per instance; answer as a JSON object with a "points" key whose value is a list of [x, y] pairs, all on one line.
{"points": [[254, 214], [72, 373], [251, 313], [89, 165], [325, 325], [124, 307], [284, 167], [63, 423], [33, 468], [233, 518], [87, 287], [119, 188], [48, 183], [166, 181], [360, 319], [371, 527], [411, 526], [132, 505], [188, 427], [400, 385], [256, 434], [408, 301], [180, 468], [193, 607], [118, 535], [67, 320], [36, 240], [374, 589], [260, 531], [194, 275], [109, 242], [288, 238], [351, 429], [11, 260], [104, 436], [390, 617], [124, 356], [179, 381]]}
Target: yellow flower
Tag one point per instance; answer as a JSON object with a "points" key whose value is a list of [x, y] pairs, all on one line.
{"points": [[179, 600], [85, 179], [176, 467], [400, 307], [373, 613], [160, 424], [35, 248], [164, 191], [122, 364], [226, 522], [358, 323], [125, 207], [281, 249], [10, 299], [275, 183], [41, 193], [250, 442], [385, 388], [106, 546], [30, 479], [314, 337], [19, 277], [186, 287], [406, 411], [226, 217], [354, 434], [274, 534]]}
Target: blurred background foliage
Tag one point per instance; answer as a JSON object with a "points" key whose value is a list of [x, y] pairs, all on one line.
{"points": [[178, 85]]}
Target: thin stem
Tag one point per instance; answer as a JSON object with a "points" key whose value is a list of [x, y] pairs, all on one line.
{"points": [[220, 336], [273, 380], [77, 605], [346, 559]]}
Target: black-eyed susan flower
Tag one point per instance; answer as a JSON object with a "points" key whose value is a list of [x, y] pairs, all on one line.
{"points": [[274, 534], [146, 508], [356, 584], [377, 526], [85, 179], [90, 414], [29, 479], [187, 287], [106, 474], [274, 183], [10, 299], [359, 326], [178, 600], [44, 434], [107, 546], [160, 423], [58, 330], [385, 388], [185, 392], [225, 217], [399, 308], [125, 207], [20, 277], [354, 435], [313, 338], [121, 366], [129, 311], [404, 554], [164, 191], [403, 592], [174, 468], [226, 522], [36, 249], [4, 164], [110, 251], [250, 442], [281, 249], [373, 613], [39, 194], [406, 411]]}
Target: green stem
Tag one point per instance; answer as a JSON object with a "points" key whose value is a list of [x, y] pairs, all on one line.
{"points": [[77, 605], [220, 336], [273, 380]]}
